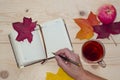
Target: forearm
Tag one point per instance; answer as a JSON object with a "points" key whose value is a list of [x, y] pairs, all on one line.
{"points": [[89, 76]]}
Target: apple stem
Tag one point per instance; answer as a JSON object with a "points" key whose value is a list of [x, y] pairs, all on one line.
{"points": [[113, 40]]}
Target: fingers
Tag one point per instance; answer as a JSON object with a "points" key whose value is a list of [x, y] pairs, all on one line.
{"points": [[69, 67], [61, 63], [65, 52]]}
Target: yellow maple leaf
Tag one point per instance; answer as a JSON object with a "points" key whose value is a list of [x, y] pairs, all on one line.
{"points": [[60, 75], [63, 75]]}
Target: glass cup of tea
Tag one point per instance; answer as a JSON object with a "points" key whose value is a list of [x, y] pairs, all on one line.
{"points": [[93, 51]]}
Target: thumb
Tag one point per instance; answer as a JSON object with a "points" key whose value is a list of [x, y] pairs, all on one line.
{"points": [[61, 62]]}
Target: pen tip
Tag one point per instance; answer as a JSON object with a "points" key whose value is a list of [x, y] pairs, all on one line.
{"points": [[53, 53]]}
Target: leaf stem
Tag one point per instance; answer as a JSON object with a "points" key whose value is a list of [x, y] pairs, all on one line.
{"points": [[113, 40]]}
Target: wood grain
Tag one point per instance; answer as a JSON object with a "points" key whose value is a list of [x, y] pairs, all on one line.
{"points": [[45, 10]]}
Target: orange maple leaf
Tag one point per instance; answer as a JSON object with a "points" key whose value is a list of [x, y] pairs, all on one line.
{"points": [[86, 31], [92, 19]]}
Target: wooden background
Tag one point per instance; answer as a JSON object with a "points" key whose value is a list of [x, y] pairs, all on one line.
{"points": [[45, 10]]}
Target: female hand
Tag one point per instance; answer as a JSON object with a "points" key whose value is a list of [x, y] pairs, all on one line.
{"points": [[74, 71]]}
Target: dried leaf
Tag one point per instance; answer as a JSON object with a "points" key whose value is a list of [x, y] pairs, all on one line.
{"points": [[24, 29], [86, 25], [51, 76], [92, 19], [104, 31], [86, 31], [61, 75]]}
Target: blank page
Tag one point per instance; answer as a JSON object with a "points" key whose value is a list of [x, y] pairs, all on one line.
{"points": [[55, 36], [25, 52]]}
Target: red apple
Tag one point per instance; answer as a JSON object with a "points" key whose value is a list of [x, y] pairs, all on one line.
{"points": [[107, 14]]}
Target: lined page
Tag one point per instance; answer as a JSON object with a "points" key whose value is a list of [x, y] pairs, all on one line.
{"points": [[56, 36]]}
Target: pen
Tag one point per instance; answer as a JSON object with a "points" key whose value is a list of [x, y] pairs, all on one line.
{"points": [[69, 60]]}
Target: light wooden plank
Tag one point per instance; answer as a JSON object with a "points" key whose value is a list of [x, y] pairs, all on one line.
{"points": [[35, 71], [112, 56], [45, 10]]}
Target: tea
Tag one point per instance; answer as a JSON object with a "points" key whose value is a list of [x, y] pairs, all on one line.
{"points": [[93, 50]]}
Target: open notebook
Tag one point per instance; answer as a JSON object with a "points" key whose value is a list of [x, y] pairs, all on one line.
{"points": [[47, 38]]}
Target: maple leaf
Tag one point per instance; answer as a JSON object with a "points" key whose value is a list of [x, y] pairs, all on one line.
{"points": [[86, 25], [60, 75], [24, 29], [86, 31], [104, 31], [92, 19]]}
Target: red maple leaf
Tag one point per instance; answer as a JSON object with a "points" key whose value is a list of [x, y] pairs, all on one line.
{"points": [[104, 31], [24, 29]]}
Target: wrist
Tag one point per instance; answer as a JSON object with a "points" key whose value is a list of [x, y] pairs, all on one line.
{"points": [[81, 76]]}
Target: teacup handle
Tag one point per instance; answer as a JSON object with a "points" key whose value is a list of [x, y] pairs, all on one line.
{"points": [[102, 63]]}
